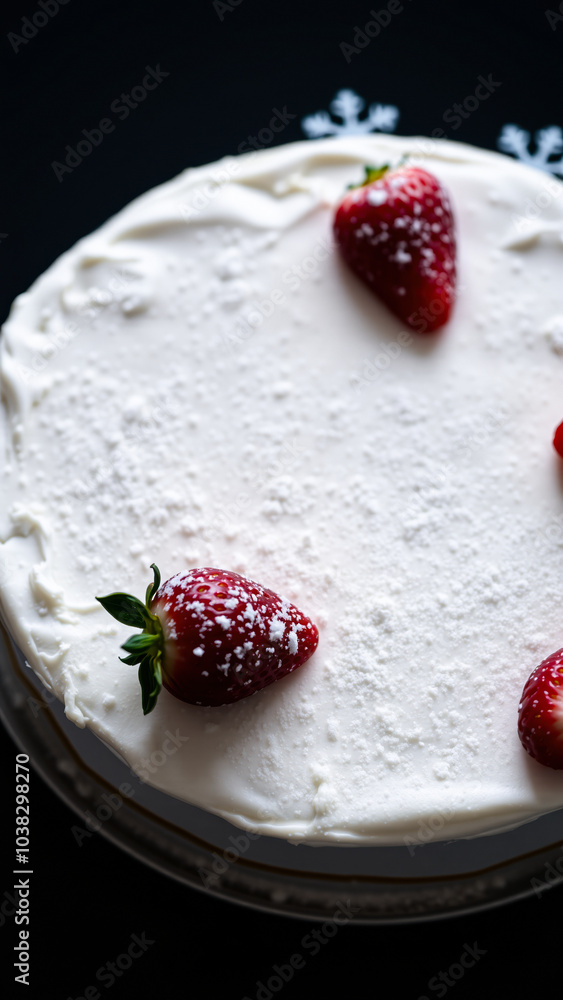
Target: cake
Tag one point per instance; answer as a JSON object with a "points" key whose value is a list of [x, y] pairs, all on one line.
{"points": [[203, 382]]}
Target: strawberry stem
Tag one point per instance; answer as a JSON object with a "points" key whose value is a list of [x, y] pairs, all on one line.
{"points": [[376, 173], [372, 174], [147, 648]]}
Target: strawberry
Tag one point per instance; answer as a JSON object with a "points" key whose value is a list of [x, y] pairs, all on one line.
{"points": [[396, 232], [558, 440], [211, 637], [540, 718]]}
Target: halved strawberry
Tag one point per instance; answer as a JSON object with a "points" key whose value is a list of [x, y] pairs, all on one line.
{"points": [[558, 440], [211, 637], [540, 718], [396, 231]]}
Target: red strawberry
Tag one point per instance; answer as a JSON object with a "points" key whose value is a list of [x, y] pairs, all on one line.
{"points": [[540, 719], [396, 231], [211, 637], [558, 440]]}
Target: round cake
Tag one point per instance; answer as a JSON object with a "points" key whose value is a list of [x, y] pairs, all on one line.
{"points": [[203, 382]]}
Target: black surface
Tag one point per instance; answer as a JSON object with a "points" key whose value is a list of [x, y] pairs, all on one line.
{"points": [[225, 78]]}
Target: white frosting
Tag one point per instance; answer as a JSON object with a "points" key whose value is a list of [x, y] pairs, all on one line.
{"points": [[202, 382]]}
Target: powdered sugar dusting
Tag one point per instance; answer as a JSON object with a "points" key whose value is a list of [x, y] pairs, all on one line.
{"points": [[377, 196]]}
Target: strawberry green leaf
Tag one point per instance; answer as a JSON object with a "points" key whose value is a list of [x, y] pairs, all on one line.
{"points": [[140, 643], [150, 679], [153, 587], [133, 659], [375, 173], [126, 609], [372, 174], [146, 649]]}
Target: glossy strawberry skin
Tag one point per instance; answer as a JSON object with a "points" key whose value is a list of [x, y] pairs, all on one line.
{"points": [[558, 440], [226, 637], [540, 717], [398, 235]]}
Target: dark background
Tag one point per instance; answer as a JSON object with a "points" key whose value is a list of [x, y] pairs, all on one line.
{"points": [[228, 69]]}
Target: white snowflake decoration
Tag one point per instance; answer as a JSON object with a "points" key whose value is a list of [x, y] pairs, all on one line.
{"points": [[548, 142], [347, 105]]}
